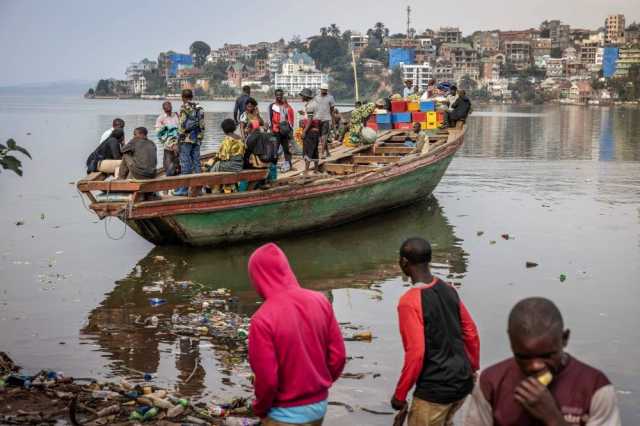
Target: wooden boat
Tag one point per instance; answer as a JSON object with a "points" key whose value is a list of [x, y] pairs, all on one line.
{"points": [[354, 183]]}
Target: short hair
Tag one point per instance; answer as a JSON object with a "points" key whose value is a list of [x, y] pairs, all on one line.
{"points": [[252, 101], [279, 91], [535, 317], [142, 130], [228, 125], [246, 89], [117, 122], [416, 250], [187, 93], [117, 133]]}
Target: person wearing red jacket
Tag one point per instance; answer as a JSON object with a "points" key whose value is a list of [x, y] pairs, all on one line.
{"points": [[440, 339], [296, 349]]}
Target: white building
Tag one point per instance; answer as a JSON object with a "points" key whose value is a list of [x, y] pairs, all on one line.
{"points": [[135, 75], [418, 74], [138, 86], [299, 72]]}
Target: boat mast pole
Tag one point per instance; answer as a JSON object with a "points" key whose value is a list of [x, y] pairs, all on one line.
{"points": [[355, 73]]}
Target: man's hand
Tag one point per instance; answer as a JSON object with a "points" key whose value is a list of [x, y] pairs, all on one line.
{"points": [[397, 404], [538, 401]]}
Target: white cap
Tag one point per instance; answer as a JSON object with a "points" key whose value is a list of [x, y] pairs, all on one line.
{"points": [[324, 86]]}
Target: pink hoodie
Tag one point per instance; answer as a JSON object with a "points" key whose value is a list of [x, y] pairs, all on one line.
{"points": [[296, 350]]}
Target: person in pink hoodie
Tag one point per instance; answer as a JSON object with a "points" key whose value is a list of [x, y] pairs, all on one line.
{"points": [[296, 350]]}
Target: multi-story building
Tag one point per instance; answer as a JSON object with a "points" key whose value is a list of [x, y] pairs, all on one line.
{"points": [[632, 34], [628, 57], [490, 67], [135, 75], [419, 74], [614, 27], [237, 73], [559, 34], [275, 60], [588, 52], [299, 72], [449, 35], [262, 68], [540, 47], [580, 92], [486, 41], [556, 67], [464, 59], [443, 70], [518, 53], [359, 42]]}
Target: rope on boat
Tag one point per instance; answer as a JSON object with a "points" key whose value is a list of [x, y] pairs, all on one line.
{"points": [[123, 216]]}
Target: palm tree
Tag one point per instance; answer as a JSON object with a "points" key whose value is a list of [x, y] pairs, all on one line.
{"points": [[324, 31], [334, 30]]}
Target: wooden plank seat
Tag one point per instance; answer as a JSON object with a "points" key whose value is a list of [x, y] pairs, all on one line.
{"points": [[381, 159], [173, 182], [401, 150], [344, 169]]}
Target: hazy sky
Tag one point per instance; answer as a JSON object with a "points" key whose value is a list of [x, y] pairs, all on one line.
{"points": [[42, 40]]}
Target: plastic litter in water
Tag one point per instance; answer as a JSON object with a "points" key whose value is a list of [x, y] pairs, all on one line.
{"points": [[154, 301]]}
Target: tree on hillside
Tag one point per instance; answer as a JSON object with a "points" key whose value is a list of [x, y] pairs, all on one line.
{"points": [[296, 43], [199, 51], [103, 88], [396, 80], [346, 36], [328, 51], [334, 31], [324, 31], [156, 83], [216, 71], [379, 31]]}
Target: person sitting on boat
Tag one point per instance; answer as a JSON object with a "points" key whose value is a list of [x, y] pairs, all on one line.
{"points": [[429, 92], [416, 139], [139, 157], [108, 155], [167, 133], [459, 110], [408, 89], [117, 123], [310, 132], [230, 156], [250, 119]]}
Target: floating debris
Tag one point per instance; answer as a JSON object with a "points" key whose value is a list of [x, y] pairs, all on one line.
{"points": [[563, 278], [506, 236], [530, 264], [20, 223], [492, 242], [480, 233]]}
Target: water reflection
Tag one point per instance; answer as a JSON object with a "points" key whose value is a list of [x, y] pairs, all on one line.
{"points": [[355, 255], [555, 133]]}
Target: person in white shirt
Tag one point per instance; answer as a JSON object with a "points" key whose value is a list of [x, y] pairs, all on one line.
{"points": [[118, 123], [408, 89]]}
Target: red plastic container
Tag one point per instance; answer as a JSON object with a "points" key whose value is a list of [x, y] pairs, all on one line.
{"points": [[418, 117], [440, 116], [398, 106], [403, 126], [372, 125]]}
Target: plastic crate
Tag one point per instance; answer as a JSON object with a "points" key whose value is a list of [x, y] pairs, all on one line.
{"points": [[426, 106], [432, 116], [403, 126], [384, 126], [440, 116], [423, 125], [432, 125], [418, 116], [401, 117], [383, 118], [373, 125], [413, 106], [398, 106]]}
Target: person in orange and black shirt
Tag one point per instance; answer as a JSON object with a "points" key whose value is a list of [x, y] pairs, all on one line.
{"points": [[541, 384], [440, 339]]}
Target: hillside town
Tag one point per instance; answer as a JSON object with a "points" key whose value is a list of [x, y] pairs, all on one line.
{"points": [[551, 63]]}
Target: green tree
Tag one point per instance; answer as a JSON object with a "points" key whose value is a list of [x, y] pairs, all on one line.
{"points": [[216, 71], [103, 88], [379, 31], [324, 31], [10, 162], [396, 80], [156, 83], [328, 51], [296, 43], [199, 51], [334, 31]]}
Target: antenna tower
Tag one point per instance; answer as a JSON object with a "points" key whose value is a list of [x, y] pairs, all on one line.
{"points": [[408, 20]]}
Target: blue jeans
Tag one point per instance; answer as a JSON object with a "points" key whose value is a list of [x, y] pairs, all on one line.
{"points": [[189, 162]]}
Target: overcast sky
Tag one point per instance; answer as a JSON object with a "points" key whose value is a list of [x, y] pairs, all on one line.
{"points": [[43, 40]]}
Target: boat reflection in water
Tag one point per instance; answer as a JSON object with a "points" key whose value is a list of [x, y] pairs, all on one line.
{"points": [[357, 255]]}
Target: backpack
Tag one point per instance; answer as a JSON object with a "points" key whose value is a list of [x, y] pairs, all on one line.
{"points": [[266, 147], [195, 116]]}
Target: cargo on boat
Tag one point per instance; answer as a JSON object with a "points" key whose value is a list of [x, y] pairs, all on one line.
{"points": [[353, 183]]}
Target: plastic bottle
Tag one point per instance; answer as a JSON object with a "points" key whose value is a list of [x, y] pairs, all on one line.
{"points": [[107, 411], [242, 333], [136, 417], [104, 394], [217, 411], [150, 414], [154, 321], [176, 411], [154, 301]]}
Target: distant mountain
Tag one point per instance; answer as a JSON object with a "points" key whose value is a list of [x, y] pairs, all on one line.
{"points": [[68, 87]]}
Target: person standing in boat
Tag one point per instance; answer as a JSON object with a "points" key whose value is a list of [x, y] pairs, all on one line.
{"points": [[191, 132], [440, 339], [281, 119], [408, 89], [241, 103], [250, 119], [117, 123], [325, 103], [310, 132], [139, 157], [167, 133]]}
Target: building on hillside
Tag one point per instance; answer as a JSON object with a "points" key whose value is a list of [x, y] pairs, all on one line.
{"points": [[518, 53], [443, 70], [570, 54], [540, 47], [580, 92], [449, 35], [419, 74], [559, 34], [178, 61], [588, 52], [275, 61], [399, 56], [299, 72], [298, 62], [490, 67], [464, 59], [135, 75], [358, 42], [556, 67], [401, 43], [578, 35], [237, 73], [261, 69], [632, 35], [614, 27], [426, 50], [486, 41], [628, 57], [609, 61], [176, 84], [371, 66]]}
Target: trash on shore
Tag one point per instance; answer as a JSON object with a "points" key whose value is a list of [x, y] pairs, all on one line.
{"points": [[492, 242], [506, 236], [563, 278], [361, 336], [530, 264]]}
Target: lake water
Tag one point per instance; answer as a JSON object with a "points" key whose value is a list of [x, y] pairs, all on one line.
{"points": [[562, 181]]}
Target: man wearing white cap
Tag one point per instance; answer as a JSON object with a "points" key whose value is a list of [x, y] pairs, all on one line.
{"points": [[325, 104]]}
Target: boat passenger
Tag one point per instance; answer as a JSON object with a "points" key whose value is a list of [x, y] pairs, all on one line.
{"points": [[429, 93], [230, 156], [408, 89], [281, 119], [108, 155], [296, 349], [443, 375], [167, 133], [417, 138], [117, 123], [325, 103], [250, 119], [139, 157], [191, 133], [452, 96], [241, 103], [541, 384], [310, 132], [459, 110]]}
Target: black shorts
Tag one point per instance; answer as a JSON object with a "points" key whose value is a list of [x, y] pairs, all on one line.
{"points": [[325, 128]]}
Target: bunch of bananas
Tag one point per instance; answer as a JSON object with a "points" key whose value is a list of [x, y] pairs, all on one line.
{"points": [[358, 117]]}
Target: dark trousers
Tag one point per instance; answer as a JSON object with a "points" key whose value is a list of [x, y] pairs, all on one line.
{"points": [[189, 158], [171, 162], [283, 140]]}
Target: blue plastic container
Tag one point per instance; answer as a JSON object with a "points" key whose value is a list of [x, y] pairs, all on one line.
{"points": [[383, 118], [401, 117], [385, 126], [427, 106]]}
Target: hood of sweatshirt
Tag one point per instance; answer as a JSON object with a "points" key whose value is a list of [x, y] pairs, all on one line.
{"points": [[270, 272]]}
